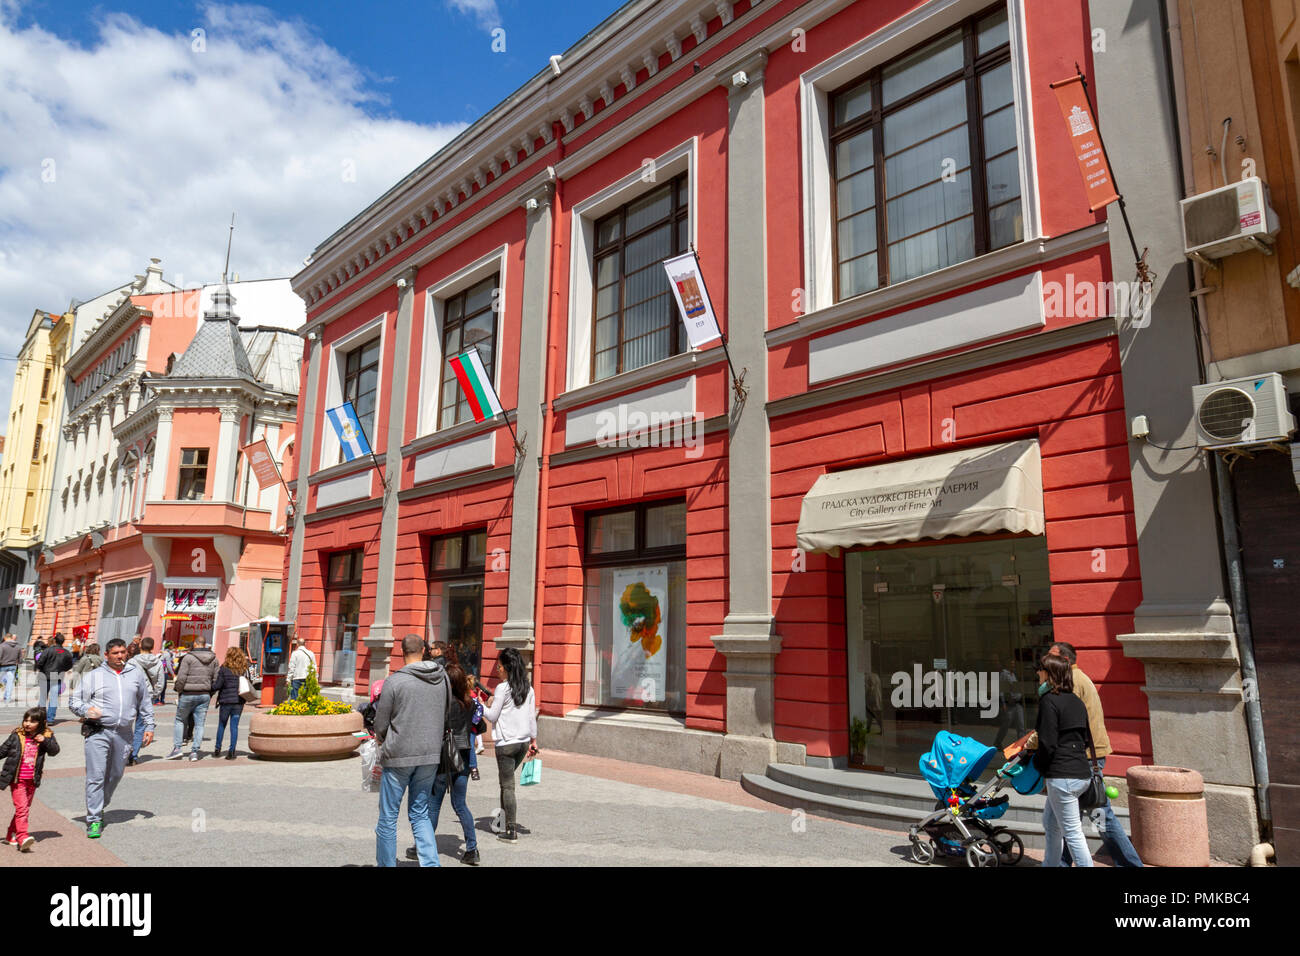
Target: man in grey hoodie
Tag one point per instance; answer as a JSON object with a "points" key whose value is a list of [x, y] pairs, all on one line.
{"points": [[409, 716], [194, 680], [114, 695]]}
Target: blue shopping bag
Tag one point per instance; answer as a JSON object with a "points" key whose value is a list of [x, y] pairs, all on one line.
{"points": [[532, 773]]}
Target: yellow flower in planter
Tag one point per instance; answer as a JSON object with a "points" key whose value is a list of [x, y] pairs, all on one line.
{"points": [[310, 702]]}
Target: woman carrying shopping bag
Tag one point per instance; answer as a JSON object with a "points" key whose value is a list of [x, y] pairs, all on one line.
{"points": [[512, 712]]}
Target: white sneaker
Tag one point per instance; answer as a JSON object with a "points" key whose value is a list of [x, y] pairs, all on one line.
{"points": [[479, 748], [27, 844]]}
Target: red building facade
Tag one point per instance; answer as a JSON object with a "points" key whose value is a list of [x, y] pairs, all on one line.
{"points": [[892, 228]]}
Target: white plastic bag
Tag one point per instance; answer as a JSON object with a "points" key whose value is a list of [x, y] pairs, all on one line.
{"points": [[370, 769]]}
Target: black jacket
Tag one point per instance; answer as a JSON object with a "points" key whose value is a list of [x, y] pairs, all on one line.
{"points": [[458, 719], [12, 752], [1062, 738], [226, 687], [54, 660]]}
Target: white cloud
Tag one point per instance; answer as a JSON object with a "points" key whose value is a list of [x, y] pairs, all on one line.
{"points": [[149, 146], [484, 12]]}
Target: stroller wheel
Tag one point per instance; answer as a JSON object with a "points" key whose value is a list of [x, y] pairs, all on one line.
{"points": [[1010, 850], [922, 851], [981, 854]]}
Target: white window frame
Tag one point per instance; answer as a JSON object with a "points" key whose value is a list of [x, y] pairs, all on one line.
{"points": [[338, 352], [582, 279], [816, 85], [435, 309]]}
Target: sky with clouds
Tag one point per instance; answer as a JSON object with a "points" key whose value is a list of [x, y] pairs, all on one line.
{"points": [[135, 129]]}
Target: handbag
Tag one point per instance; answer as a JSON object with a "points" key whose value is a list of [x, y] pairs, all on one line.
{"points": [[246, 692], [532, 773], [1095, 795], [452, 760]]}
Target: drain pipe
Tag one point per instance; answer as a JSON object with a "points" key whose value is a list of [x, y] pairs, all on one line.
{"points": [[1245, 642], [1226, 502], [1262, 853]]}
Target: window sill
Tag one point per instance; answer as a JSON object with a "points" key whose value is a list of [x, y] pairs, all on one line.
{"points": [[656, 719], [343, 469], [645, 375], [453, 433], [989, 266]]}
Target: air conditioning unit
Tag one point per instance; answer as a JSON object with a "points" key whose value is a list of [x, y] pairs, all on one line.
{"points": [[1234, 218], [1242, 411]]}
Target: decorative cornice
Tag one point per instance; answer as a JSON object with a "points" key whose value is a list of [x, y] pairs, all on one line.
{"points": [[621, 46], [999, 263], [472, 478], [661, 371], [454, 433], [343, 469], [1024, 346]]}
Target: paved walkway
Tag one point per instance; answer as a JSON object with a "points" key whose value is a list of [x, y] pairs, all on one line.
{"points": [[251, 812]]}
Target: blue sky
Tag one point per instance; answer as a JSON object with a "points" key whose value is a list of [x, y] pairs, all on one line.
{"points": [[122, 137]]}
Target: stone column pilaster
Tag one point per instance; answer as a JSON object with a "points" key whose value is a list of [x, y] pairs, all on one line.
{"points": [[162, 446], [521, 611], [305, 442], [379, 638], [748, 639], [223, 473]]}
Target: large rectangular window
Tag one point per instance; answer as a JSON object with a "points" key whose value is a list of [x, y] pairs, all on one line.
{"points": [[634, 608], [469, 321], [456, 566], [338, 657], [924, 159], [120, 610], [361, 386], [635, 319], [194, 474]]}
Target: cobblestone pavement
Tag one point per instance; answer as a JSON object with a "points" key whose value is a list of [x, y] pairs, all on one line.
{"points": [[250, 812]]}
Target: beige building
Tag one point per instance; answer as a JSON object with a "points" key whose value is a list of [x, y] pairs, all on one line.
{"points": [[25, 468]]}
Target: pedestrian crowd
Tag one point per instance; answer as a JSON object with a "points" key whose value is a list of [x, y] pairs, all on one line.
{"points": [[426, 717]]}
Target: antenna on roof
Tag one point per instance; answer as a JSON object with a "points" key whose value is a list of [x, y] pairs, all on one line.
{"points": [[226, 271]]}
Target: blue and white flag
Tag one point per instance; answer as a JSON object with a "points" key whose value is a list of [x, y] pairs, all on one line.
{"points": [[348, 428]]}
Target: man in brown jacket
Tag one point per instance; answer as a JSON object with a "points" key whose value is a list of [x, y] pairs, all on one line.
{"points": [[1113, 838]]}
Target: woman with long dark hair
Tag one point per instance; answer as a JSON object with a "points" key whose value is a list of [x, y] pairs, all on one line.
{"points": [[459, 720], [1062, 758], [512, 711]]}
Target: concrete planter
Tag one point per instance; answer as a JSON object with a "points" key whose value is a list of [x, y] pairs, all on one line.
{"points": [[322, 737]]}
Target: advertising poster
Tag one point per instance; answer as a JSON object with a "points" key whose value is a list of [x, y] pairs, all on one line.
{"points": [[639, 668], [692, 297]]}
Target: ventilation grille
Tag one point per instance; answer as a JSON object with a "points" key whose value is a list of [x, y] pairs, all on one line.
{"points": [[1225, 414]]}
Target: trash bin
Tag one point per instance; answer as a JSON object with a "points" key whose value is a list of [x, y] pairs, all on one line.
{"points": [[1166, 807]]}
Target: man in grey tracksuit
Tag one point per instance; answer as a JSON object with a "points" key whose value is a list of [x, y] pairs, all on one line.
{"points": [[115, 694]]}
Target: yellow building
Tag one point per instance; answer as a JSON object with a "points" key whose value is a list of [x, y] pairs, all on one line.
{"points": [[28, 460]]}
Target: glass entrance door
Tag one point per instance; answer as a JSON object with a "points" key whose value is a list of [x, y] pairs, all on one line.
{"points": [[943, 637]]}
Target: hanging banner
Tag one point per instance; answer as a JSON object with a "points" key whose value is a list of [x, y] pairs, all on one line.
{"points": [[192, 601], [639, 669], [262, 462], [1098, 183], [22, 591], [692, 297]]}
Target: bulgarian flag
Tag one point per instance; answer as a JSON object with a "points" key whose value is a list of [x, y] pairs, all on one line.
{"points": [[483, 401]]}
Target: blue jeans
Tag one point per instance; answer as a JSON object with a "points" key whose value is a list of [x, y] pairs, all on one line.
{"points": [[51, 688], [1061, 821], [7, 677], [197, 704], [138, 742], [473, 755], [459, 784], [1113, 838], [229, 714], [294, 687], [394, 782]]}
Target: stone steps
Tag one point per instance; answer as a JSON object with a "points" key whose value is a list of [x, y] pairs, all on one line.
{"points": [[881, 800]]}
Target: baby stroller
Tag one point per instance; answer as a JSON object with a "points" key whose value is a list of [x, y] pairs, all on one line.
{"points": [[960, 824]]}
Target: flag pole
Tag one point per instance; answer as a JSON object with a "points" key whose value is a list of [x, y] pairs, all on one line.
{"points": [[737, 381]]}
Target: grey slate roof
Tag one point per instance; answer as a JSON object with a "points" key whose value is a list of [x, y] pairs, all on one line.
{"points": [[217, 349]]}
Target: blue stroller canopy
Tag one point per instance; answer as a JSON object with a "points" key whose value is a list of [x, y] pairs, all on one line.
{"points": [[952, 761]]}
